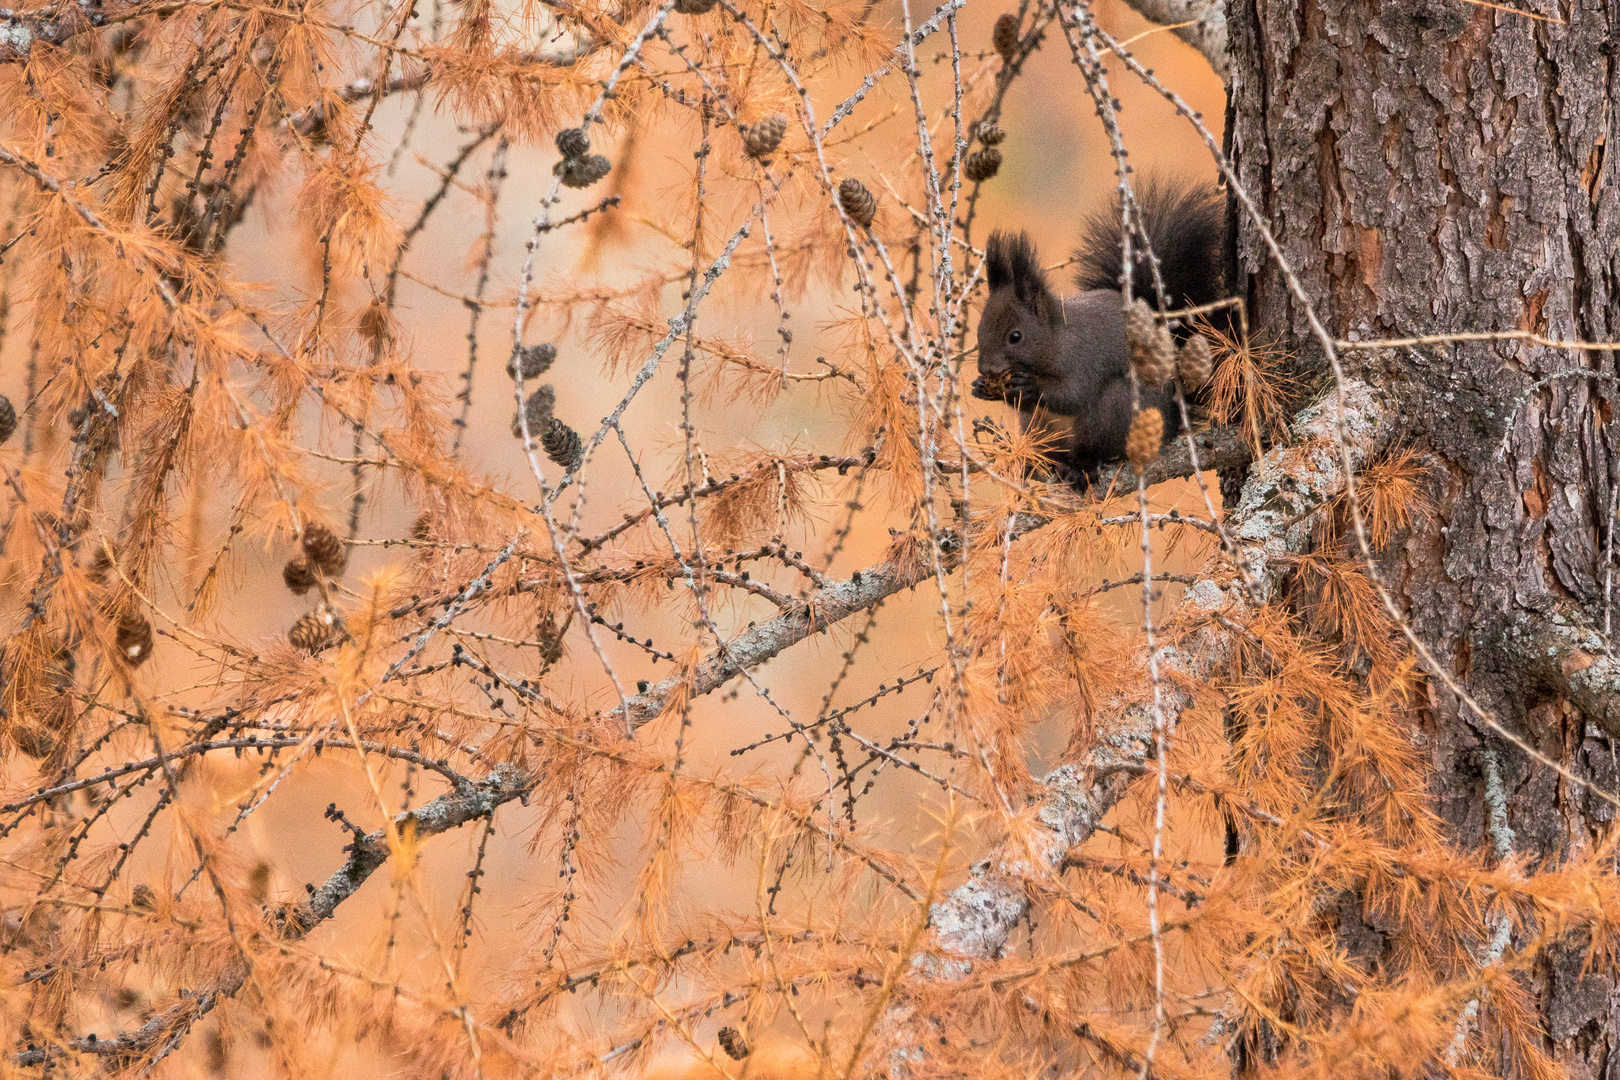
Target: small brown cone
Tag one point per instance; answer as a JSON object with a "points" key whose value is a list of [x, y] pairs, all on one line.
{"points": [[323, 549], [1004, 38], [298, 575], [582, 172], [8, 419], [990, 133], [422, 528], [1147, 435], [734, 1043], [694, 7], [134, 638], [532, 360], [561, 443], [1194, 365], [315, 630], [573, 142], [143, 898], [858, 203], [762, 137], [1153, 351], [982, 164], [537, 409]]}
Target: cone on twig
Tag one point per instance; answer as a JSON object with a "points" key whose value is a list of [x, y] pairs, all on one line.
{"points": [[734, 1043], [858, 203], [532, 360], [982, 164], [134, 638], [315, 630], [694, 7], [1146, 436], [990, 133], [582, 172], [538, 411], [298, 575], [1153, 351], [1194, 364], [8, 419], [762, 137], [1004, 37], [573, 142], [323, 549], [561, 443]]}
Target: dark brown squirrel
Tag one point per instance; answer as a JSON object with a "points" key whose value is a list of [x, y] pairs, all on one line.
{"points": [[1064, 362]]}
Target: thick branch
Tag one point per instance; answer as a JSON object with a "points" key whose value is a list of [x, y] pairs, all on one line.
{"points": [[975, 920]]}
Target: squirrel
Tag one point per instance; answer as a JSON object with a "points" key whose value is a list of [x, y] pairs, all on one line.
{"points": [[1064, 362]]}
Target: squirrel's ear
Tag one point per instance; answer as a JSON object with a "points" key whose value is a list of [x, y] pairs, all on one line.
{"points": [[1048, 308]]}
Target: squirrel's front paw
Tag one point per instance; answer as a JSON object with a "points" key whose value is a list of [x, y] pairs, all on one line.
{"points": [[1021, 386], [991, 386]]}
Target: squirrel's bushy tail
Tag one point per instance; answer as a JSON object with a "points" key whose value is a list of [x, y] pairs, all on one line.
{"points": [[1185, 224]]}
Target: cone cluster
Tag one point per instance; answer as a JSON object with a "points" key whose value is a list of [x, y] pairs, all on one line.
{"points": [[1153, 351], [579, 168]]}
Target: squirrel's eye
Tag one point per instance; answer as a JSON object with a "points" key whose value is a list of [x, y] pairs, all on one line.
{"points": [[1015, 337]]}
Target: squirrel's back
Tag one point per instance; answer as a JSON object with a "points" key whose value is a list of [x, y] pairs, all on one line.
{"points": [[1185, 225]]}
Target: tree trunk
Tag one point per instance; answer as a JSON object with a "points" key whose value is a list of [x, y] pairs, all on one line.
{"points": [[1433, 167]]}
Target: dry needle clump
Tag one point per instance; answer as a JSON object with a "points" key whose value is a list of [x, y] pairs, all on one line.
{"points": [[858, 203], [1153, 351], [532, 360], [1194, 364], [982, 164], [1146, 436]]}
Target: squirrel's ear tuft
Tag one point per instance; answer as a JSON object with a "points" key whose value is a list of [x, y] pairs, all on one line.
{"points": [[1011, 261]]}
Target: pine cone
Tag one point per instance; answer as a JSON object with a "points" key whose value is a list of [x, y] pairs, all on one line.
{"points": [[134, 638], [694, 7], [8, 419], [315, 630], [573, 142], [1147, 435], [733, 1043], [298, 575], [1153, 351], [143, 898], [764, 136], [323, 549], [982, 164], [857, 202], [1194, 365], [582, 172], [422, 527], [561, 444], [1004, 38], [534, 360], [990, 133], [538, 410]]}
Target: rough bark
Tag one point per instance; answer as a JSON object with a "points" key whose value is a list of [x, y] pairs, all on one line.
{"points": [[1429, 168]]}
